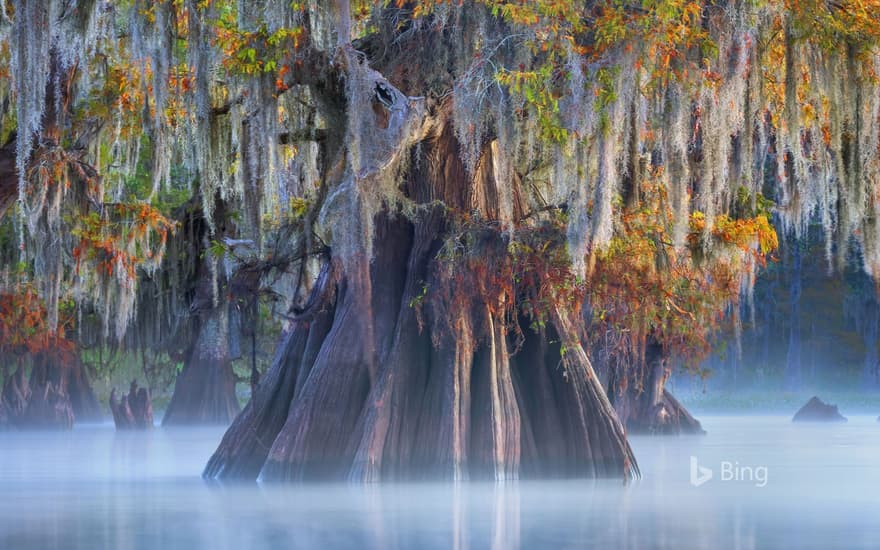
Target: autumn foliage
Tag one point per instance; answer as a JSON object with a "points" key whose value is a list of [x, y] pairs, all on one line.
{"points": [[125, 237], [24, 332], [645, 288]]}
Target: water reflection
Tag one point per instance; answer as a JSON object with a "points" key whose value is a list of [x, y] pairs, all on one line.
{"points": [[94, 488]]}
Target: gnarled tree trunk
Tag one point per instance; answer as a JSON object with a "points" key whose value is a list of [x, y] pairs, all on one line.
{"points": [[55, 394], [406, 363]]}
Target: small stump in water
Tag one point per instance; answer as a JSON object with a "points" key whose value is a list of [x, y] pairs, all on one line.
{"points": [[818, 411], [133, 411]]}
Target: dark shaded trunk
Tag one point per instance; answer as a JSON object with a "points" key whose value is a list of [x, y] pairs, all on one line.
{"points": [[597, 445], [537, 372], [496, 421], [644, 404], [321, 429], [246, 444], [16, 393], [461, 407], [48, 408], [438, 395], [48, 401], [440, 449], [793, 356], [53, 395], [82, 397], [204, 392], [383, 448]]}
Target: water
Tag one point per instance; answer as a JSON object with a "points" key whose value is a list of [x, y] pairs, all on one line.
{"points": [[95, 488]]}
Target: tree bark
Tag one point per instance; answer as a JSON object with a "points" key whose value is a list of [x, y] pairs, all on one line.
{"points": [[246, 444], [82, 396], [16, 393], [597, 439], [318, 438], [411, 369], [644, 404], [383, 448], [205, 390]]}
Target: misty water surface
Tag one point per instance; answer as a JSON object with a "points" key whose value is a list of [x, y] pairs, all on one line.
{"points": [[95, 488]]}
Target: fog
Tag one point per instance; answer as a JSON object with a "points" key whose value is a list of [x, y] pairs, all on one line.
{"points": [[773, 484]]}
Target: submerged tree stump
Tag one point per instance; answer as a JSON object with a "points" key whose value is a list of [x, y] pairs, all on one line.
{"points": [[818, 411], [133, 411]]}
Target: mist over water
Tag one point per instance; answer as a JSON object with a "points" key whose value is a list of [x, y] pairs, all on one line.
{"points": [[96, 488]]}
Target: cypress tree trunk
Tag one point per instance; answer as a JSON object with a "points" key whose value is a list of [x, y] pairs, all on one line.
{"points": [[48, 402], [793, 356], [16, 393], [82, 396], [204, 392], [644, 404], [407, 363], [55, 394]]}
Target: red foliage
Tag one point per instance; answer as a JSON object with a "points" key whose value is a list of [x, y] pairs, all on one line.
{"points": [[24, 331]]}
